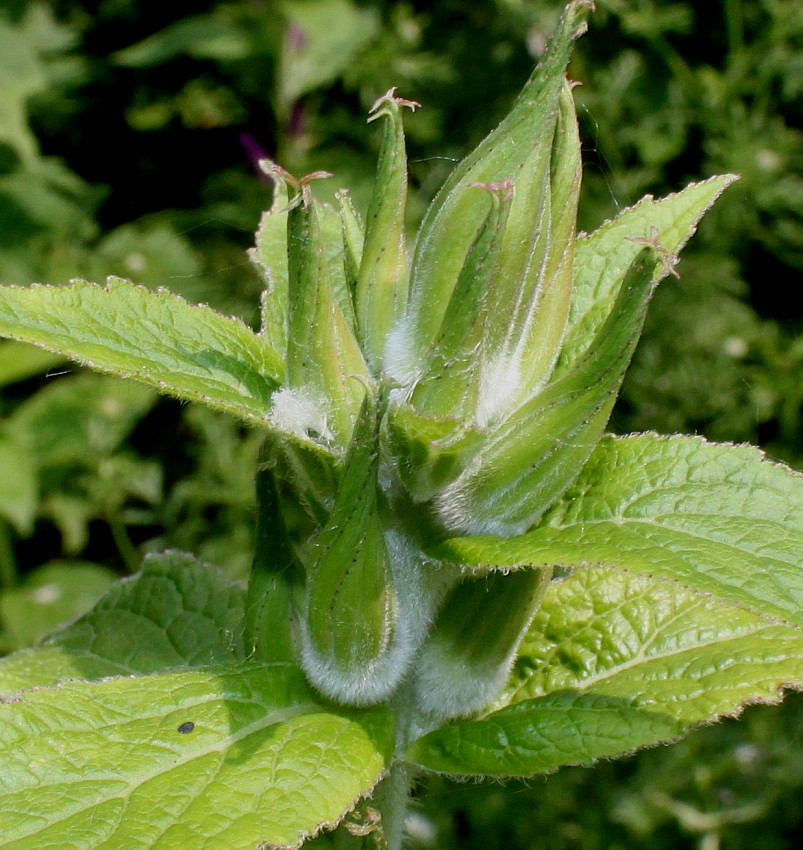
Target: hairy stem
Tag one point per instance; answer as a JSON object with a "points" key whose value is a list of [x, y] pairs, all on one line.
{"points": [[391, 799]]}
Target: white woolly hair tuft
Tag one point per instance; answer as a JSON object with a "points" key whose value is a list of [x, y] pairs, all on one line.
{"points": [[295, 412], [459, 512], [400, 360], [498, 384]]}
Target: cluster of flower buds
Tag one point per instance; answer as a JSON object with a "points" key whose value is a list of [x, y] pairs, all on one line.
{"points": [[421, 397]]}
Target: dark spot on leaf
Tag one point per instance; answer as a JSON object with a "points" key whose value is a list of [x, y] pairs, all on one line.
{"points": [[186, 727]]}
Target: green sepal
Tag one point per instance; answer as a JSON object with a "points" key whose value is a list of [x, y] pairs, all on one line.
{"points": [[453, 218], [270, 612], [537, 453], [466, 660], [323, 356], [308, 477], [450, 384], [429, 452], [353, 239], [352, 648], [337, 261], [382, 281], [269, 255], [535, 276]]}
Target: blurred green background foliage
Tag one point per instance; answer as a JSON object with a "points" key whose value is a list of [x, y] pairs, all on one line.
{"points": [[130, 132]]}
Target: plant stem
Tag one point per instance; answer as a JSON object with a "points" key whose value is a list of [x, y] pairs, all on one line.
{"points": [[390, 799], [131, 557]]}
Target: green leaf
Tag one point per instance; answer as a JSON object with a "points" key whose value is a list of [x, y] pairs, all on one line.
{"points": [[155, 337], [228, 756], [721, 519], [541, 735], [175, 613], [667, 648], [601, 259], [615, 661], [52, 594]]}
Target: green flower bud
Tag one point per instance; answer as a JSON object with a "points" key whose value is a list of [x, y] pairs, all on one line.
{"points": [[529, 309], [276, 578], [521, 149], [323, 354], [355, 648], [536, 453], [353, 239], [467, 658], [450, 383], [429, 453], [383, 277]]}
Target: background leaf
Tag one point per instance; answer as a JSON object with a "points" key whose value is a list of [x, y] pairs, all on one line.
{"points": [[50, 596], [19, 361], [325, 36], [175, 613], [19, 485], [79, 415]]}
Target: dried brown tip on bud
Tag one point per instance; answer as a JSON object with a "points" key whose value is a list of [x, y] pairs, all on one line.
{"points": [[389, 97], [667, 258], [274, 171], [504, 188], [315, 175]]}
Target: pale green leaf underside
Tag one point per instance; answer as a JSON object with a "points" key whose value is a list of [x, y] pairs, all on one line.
{"points": [[175, 613], [602, 258], [720, 519], [541, 735], [613, 662], [156, 337], [104, 765]]}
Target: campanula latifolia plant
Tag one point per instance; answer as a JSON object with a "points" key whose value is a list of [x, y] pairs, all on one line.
{"points": [[456, 569]]}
